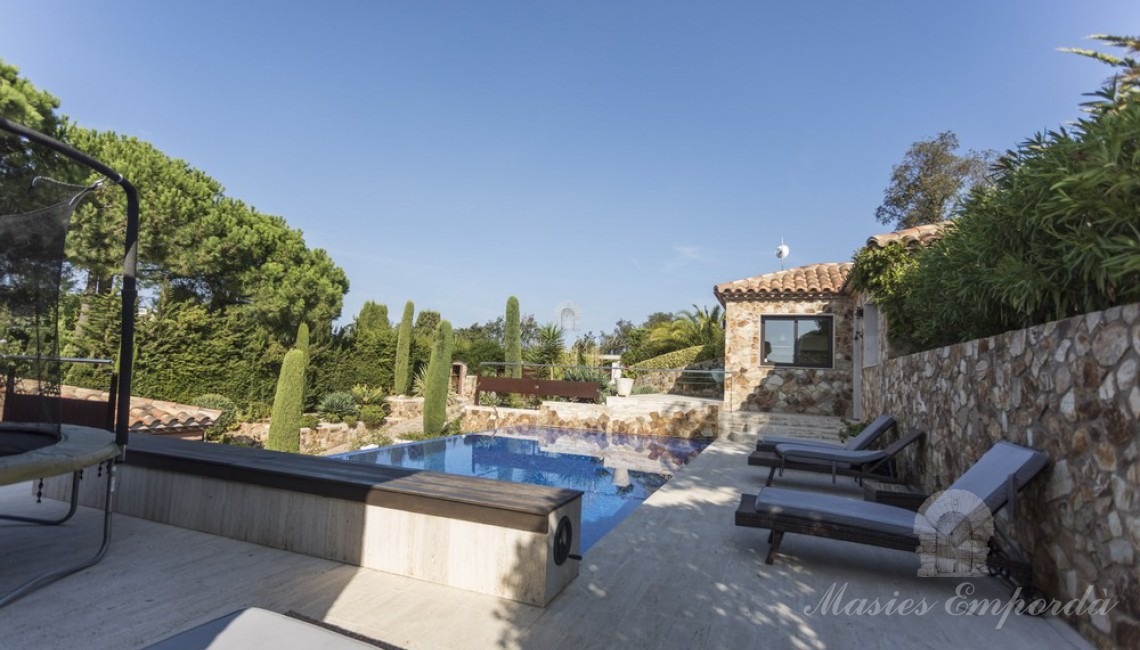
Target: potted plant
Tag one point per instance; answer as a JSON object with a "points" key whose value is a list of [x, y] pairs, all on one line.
{"points": [[624, 384]]}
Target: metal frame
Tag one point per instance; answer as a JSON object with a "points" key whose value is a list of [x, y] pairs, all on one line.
{"points": [[126, 358]]}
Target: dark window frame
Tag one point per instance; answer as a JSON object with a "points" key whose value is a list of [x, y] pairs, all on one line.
{"points": [[796, 361]]}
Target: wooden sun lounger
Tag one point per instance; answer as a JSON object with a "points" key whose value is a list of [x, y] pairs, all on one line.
{"points": [[860, 464]]}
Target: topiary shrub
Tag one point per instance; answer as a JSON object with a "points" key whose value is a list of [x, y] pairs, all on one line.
{"points": [[403, 373], [512, 338], [285, 424], [337, 406], [437, 380], [227, 421]]}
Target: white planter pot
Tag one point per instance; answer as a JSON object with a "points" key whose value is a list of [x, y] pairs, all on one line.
{"points": [[624, 386]]}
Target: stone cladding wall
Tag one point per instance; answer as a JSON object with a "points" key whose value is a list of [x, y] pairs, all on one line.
{"points": [[1068, 387], [814, 391]]}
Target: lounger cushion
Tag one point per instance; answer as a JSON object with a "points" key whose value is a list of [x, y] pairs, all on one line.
{"points": [[769, 443], [861, 515], [870, 433], [770, 459], [258, 628], [810, 453], [989, 478]]}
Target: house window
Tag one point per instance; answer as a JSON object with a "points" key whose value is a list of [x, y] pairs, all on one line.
{"points": [[804, 341]]}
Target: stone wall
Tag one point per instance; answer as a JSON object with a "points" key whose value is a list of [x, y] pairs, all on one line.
{"points": [[1069, 388], [690, 420], [751, 386]]}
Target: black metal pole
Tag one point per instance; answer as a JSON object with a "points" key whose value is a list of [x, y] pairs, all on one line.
{"points": [[130, 266]]}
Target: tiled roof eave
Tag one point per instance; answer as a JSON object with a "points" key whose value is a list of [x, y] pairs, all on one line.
{"points": [[739, 296]]}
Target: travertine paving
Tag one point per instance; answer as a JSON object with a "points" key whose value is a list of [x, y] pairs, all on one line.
{"points": [[675, 574]]}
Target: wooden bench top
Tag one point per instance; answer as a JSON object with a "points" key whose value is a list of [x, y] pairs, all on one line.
{"points": [[512, 505]]}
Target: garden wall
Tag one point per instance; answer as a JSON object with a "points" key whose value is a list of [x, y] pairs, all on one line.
{"points": [[1068, 387], [692, 418]]}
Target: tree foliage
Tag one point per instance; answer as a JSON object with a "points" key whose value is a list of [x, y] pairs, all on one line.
{"points": [[1056, 235], [930, 182], [373, 317], [437, 379], [226, 287]]}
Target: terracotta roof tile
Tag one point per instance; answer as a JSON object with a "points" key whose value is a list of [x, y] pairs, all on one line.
{"points": [[803, 281], [152, 415], [917, 236]]}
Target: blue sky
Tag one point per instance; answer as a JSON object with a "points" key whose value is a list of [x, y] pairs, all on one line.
{"points": [[625, 156]]}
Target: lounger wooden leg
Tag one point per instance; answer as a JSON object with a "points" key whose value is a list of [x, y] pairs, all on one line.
{"points": [[771, 474], [776, 537]]}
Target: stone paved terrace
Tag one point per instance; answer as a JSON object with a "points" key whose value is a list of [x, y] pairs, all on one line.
{"points": [[676, 574]]}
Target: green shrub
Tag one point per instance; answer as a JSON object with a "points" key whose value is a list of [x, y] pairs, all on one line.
{"points": [[372, 415], [644, 390], [338, 405], [675, 359], [255, 412], [285, 425], [403, 352], [365, 394], [351, 421], [309, 421], [227, 421], [437, 380]]}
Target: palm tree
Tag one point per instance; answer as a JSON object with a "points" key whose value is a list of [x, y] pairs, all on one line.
{"points": [[701, 326], [549, 348]]}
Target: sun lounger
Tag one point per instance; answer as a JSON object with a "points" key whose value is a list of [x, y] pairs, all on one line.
{"points": [[862, 440], [995, 480], [859, 464]]}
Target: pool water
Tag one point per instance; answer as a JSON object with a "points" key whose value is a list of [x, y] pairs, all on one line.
{"points": [[615, 472]]}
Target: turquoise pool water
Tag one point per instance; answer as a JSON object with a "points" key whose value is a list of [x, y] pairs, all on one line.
{"points": [[615, 472]]}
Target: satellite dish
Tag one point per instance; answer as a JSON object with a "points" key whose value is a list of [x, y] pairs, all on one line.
{"points": [[568, 316]]}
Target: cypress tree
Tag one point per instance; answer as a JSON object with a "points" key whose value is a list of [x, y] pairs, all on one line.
{"points": [[303, 340], [512, 335], [403, 352], [285, 423], [436, 382]]}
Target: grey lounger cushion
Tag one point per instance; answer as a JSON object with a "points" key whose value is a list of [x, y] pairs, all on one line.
{"points": [[817, 454], [838, 511], [252, 628]]}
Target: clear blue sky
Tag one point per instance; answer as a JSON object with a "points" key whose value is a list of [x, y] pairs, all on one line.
{"points": [[626, 156]]}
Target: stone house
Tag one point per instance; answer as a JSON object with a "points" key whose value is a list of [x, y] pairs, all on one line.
{"points": [[788, 341], [797, 340]]}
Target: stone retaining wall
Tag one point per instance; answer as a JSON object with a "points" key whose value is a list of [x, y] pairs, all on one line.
{"points": [[1067, 387], [691, 422]]}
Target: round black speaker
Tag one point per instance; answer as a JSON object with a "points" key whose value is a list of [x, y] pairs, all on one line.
{"points": [[563, 540]]}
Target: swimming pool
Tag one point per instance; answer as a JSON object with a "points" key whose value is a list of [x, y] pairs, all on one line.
{"points": [[615, 472]]}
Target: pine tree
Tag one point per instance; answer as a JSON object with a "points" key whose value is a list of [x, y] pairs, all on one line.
{"points": [[285, 425], [512, 335], [436, 381], [403, 373]]}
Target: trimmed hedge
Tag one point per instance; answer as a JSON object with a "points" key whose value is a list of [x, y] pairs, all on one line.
{"points": [[676, 359]]}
